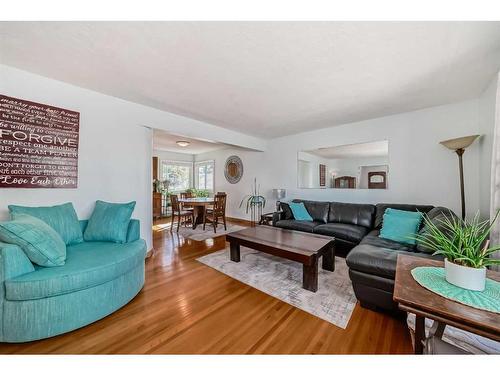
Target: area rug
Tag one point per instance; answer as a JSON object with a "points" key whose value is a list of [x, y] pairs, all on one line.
{"points": [[334, 301], [198, 234]]}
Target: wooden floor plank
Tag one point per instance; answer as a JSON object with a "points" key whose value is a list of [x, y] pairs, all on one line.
{"points": [[187, 307]]}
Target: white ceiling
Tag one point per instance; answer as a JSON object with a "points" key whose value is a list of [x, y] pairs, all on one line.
{"points": [[163, 141], [266, 79], [358, 150]]}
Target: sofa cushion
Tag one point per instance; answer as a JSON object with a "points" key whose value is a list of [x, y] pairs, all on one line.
{"points": [[351, 213], [317, 210], [62, 218], [304, 226], [109, 222], [349, 232], [373, 239], [87, 264], [376, 260], [381, 207], [41, 244]]}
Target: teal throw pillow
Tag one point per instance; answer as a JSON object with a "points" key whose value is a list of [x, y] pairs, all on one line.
{"points": [[406, 214], [41, 244], [109, 222], [62, 218], [300, 212], [400, 226]]}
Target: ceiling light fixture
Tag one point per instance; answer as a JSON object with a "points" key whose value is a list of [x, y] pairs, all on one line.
{"points": [[183, 143]]}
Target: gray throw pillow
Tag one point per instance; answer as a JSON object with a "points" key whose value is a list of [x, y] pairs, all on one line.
{"points": [[436, 216]]}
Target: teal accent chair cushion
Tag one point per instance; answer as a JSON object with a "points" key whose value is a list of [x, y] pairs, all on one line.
{"points": [[400, 226], [88, 264], [39, 241], [62, 218], [300, 212], [109, 222]]}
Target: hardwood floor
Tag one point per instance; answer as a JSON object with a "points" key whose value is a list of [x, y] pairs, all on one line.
{"points": [[187, 307]]}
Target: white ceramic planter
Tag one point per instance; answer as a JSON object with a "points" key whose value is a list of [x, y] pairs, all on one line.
{"points": [[465, 277]]}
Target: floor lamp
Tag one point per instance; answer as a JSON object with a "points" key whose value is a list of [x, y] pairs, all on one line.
{"points": [[459, 145]]}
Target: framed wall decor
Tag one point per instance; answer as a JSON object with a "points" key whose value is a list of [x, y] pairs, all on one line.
{"points": [[322, 175], [233, 171], [38, 145]]}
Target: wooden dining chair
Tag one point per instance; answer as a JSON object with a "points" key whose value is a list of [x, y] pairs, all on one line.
{"points": [[218, 211], [186, 206], [186, 194], [179, 212]]}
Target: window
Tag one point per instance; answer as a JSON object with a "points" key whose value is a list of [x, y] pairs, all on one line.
{"points": [[179, 174], [204, 175]]}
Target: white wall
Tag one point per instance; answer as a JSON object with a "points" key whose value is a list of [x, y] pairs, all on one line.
{"points": [[254, 165], [486, 108], [421, 170], [170, 155], [115, 146]]}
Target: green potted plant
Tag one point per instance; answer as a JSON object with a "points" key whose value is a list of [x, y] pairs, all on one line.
{"points": [[202, 193], [465, 247], [254, 202], [198, 193]]}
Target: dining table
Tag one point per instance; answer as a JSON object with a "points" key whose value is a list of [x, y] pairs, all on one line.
{"points": [[199, 206]]}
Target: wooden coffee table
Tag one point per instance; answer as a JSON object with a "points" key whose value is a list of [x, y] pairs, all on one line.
{"points": [[305, 248], [413, 298]]}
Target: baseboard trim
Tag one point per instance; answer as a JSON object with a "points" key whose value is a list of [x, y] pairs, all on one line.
{"points": [[236, 220]]}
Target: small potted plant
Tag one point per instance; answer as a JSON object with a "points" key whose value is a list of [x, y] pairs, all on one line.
{"points": [[465, 247], [198, 193]]}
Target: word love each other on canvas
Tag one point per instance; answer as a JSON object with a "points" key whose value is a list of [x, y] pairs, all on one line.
{"points": [[40, 181]]}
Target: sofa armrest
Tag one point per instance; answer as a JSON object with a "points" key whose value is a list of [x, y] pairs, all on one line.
{"points": [[13, 262], [134, 230], [277, 216]]}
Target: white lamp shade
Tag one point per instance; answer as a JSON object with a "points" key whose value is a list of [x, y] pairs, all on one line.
{"points": [[459, 143], [279, 194]]}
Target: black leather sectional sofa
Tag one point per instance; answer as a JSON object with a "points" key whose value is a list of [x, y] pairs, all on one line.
{"points": [[371, 259]]}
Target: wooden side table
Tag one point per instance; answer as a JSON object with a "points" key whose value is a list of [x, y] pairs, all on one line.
{"points": [[266, 219], [416, 299]]}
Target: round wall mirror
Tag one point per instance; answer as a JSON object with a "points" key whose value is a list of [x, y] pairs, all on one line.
{"points": [[234, 169]]}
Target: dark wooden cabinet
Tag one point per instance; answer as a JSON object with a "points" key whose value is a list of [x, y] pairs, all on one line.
{"points": [[322, 175], [157, 203], [157, 197], [345, 182], [155, 168]]}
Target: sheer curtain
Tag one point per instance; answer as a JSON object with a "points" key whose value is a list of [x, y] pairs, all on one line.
{"points": [[495, 175]]}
